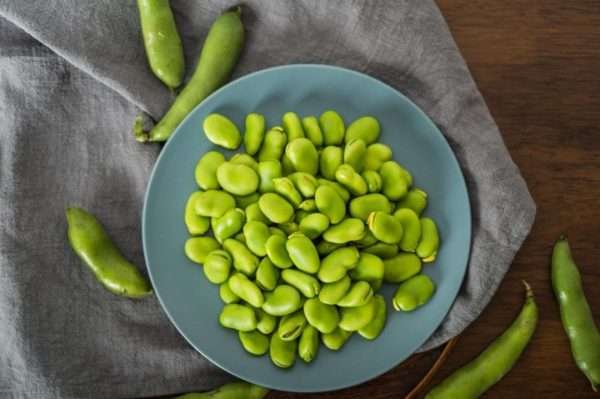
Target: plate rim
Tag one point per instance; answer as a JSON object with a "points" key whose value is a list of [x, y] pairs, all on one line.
{"points": [[336, 68]]}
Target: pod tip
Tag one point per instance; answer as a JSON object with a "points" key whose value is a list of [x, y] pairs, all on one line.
{"points": [[528, 290], [237, 9]]}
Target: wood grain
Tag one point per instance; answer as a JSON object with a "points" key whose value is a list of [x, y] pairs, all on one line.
{"points": [[537, 64]]}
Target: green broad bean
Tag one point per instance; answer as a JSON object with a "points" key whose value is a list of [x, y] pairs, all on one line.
{"points": [[347, 230], [214, 203], [238, 317], [430, 241], [162, 42], [313, 225], [273, 145], [289, 228], [254, 342], [325, 247], [342, 192], [220, 52], [313, 130], [195, 223], [244, 200], [335, 265], [276, 231], [336, 339], [95, 248], [286, 165], [237, 178], [401, 267], [309, 205], [301, 214], [243, 259], [244, 159], [255, 132], [283, 300], [365, 128], [283, 353], [277, 252], [229, 224], [284, 187], [221, 131], [386, 228], [292, 126], [355, 318], [414, 292], [358, 294], [331, 158], [331, 293], [333, 128], [267, 171], [354, 154], [276, 208], [361, 207], [197, 248], [254, 214], [257, 234], [308, 346], [377, 154], [291, 326], [395, 184], [347, 177], [370, 268], [305, 283], [367, 240], [373, 180], [415, 199], [383, 250], [375, 326], [324, 318], [226, 294], [330, 204], [411, 226], [303, 155], [267, 275], [241, 286], [305, 183], [217, 266], [206, 170], [303, 253], [265, 323]]}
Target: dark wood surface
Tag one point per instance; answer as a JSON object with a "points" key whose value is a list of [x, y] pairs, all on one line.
{"points": [[537, 63]]}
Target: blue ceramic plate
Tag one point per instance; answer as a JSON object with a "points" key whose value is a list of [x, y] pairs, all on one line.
{"points": [[193, 304]]}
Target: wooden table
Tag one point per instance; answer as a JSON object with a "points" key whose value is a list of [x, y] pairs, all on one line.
{"points": [[537, 63]]}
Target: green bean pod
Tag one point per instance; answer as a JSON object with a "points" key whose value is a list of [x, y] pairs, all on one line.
{"points": [[372, 330], [162, 42], [413, 293], [91, 243], [308, 346], [233, 390], [255, 132], [195, 223], [576, 315], [219, 55], [313, 130], [473, 379], [347, 230], [206, 170]]}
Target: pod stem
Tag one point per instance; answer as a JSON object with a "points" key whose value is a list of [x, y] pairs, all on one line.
{"points": [[528, 290], [138, 130], [236, 9]]}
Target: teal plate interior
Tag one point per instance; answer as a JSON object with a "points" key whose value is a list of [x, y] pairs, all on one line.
{"points": [[193, 304]]}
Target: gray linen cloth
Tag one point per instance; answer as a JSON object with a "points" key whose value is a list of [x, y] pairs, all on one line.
{"points": [[73, 75]]}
